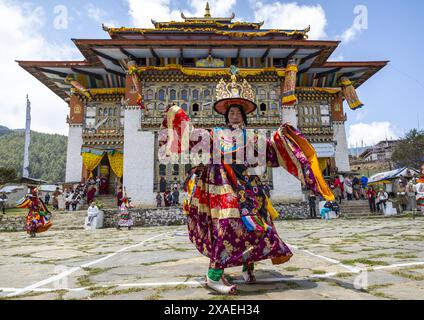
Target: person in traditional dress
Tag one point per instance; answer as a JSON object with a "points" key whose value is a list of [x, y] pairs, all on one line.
{"points": [[91, 194], [230, 217], [419, 189], [38, 218], [411, 195], [92, 212], [348, 187], [166, 199], [125, 219], [104, 186], [55, 201], [119, 197], [3, 200], [158, 200]]}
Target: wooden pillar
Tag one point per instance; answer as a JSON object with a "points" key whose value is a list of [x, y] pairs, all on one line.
{"points": [[76, 113], [131, 91], [337, 113]]}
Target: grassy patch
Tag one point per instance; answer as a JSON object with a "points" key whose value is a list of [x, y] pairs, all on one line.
{"points": [[381, 295], [364, 261], [292, 284], [84, 281], [154, 296], [127, 291], [318, 272], [158, 262], [290, 269], [22, 255], [22, 296], [61, 294], [378, 286], [100, 291], [408, 275], [343, 275], [405, 256], [380, 255], [95, 271]]}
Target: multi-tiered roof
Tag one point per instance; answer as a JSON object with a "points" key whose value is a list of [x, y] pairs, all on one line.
{"points": [[183, 42]]}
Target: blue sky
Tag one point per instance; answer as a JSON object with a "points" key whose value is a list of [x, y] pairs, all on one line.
{"points": [[393, 98]]}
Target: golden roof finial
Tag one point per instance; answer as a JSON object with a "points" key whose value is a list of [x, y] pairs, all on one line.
{"points": [[207, 11]]}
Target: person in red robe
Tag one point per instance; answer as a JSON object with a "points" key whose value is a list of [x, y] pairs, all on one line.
{"points": [[103, 185], [90, 194], [119, 197]]}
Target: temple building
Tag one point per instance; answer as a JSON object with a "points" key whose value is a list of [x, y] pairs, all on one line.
{"points": [[181, 62]]}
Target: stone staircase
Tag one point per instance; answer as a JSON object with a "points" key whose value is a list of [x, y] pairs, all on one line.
{"points": [[109, 201], [355, 208]]}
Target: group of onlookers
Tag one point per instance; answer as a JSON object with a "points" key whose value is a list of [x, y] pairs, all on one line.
{"points": [[350, 188], [167, 196]]}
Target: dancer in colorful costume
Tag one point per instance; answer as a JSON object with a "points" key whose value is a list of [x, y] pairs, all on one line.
{"points": [[419, 188], [125, 219], [38, 218], [230, 216]]}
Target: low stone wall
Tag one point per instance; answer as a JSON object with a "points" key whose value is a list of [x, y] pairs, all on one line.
{"points": [[11, 223], [298, 210], [174, 216], [153, 217], [148, 217]]}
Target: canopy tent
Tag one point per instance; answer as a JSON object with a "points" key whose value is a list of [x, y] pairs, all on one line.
{"points": [[389, 176]]}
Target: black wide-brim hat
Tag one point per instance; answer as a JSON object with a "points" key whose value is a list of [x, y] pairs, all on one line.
{"points": [[221, 106]]}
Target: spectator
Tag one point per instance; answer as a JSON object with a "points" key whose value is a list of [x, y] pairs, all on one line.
{"points": [[166, 197], [162, 184], [371, 194], [176, 197], [410, 193], [401, 194], [3, 200], [158, 200], [47, 199], [92, 212], [55, 201], [337, 190], [76, 198], [91, 193], [348, 187], [68, 198], [382, 198], [356, 185], [312, 205], [364, 185], [119, 197]]}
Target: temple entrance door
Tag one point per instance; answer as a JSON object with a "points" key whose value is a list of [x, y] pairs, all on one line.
{"points": [[104, 171]]}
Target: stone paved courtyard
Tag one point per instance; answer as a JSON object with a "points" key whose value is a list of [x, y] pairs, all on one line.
{"points": [[339, 259]]}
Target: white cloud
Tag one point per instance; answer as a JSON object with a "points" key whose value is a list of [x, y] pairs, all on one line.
{"points": [[370, 133], [218, 8], [361, 114], [142, 11], [360, 23], [292, 16], [99, 15], [20, 27], [350, 34]]}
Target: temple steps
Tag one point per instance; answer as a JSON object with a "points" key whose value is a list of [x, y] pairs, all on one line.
{"points": [[355, 208]]}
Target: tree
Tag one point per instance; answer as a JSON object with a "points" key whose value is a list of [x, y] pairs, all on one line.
{"points": [[7, 175], [409, 152]]}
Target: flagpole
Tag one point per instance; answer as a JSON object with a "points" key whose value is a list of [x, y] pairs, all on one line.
{"points": [[25, 169]]}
